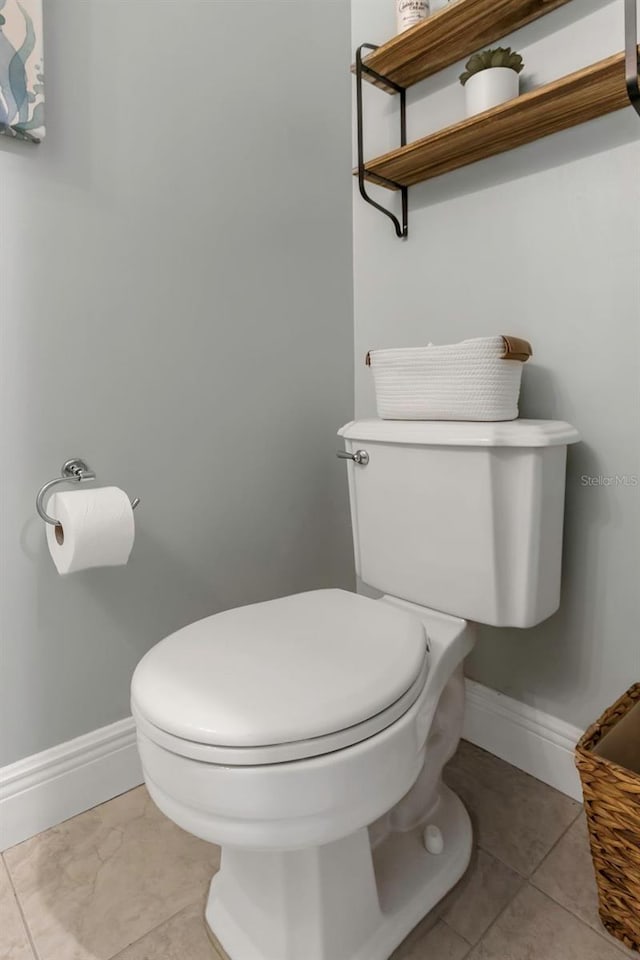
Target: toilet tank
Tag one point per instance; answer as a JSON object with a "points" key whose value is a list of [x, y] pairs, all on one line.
{"points": [[465, 518]]}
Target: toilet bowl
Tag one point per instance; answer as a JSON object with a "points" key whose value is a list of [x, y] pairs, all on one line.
{"points": [[307, 735], [374, 736]]}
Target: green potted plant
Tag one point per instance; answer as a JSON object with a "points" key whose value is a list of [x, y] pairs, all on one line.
{"points": [[491, 77]]}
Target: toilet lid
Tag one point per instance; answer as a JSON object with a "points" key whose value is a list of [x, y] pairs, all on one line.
{"points": [[293, 669]]}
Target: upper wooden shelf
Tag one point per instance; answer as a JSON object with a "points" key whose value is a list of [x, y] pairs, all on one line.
{"points": [[576, 98], [451, 34]]}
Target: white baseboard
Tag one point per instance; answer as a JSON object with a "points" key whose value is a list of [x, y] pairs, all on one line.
{"points": [[525, 737], [43, 790]]}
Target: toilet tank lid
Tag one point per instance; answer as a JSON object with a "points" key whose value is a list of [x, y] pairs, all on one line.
{"points": [[458, 433]]}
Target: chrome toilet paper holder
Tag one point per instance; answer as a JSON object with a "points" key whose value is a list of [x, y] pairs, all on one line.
{"points": [[72, 471]]}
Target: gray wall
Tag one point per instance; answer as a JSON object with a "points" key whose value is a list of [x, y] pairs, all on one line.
{"points": [[543, 242], [176, 303]]}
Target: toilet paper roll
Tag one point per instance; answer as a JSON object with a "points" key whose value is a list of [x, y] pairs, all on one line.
{"points": [[95, 529]]}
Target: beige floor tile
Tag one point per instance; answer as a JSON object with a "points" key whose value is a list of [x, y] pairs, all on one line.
{"points": [[516, 817], [485, 890], [566, 875], [181, 938], [533, 927], [14, 942], [104, 879], [438, 943]]}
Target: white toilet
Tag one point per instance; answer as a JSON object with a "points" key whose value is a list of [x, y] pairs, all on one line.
{"points": [[307, 735]]}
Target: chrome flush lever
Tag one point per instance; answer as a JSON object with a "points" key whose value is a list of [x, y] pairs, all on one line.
{"points": [[360, 456]]}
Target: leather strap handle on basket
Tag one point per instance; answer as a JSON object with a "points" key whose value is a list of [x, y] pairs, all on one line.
{"points": [[515, 348]]}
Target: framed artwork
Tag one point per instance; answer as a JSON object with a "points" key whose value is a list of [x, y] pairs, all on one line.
{"points": [[21, 70]]}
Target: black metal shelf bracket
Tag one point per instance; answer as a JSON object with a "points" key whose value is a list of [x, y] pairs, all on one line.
{"points": [[402, 229], [632, 60]]}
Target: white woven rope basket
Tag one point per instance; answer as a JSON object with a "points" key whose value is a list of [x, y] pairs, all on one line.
{"points": [[473, 380]]}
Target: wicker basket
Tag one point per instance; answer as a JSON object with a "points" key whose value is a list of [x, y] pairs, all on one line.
{"points": [[612, 805]]}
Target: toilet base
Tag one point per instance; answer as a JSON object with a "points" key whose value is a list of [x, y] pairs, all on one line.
{"points": [[215, 943], [340, 901]]}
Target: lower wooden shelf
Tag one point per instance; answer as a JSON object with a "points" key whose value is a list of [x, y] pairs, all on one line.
{"points": [[576, 98]]}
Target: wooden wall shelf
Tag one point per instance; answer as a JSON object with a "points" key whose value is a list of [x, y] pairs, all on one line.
{"points": [[450, 35], [576, 98]]}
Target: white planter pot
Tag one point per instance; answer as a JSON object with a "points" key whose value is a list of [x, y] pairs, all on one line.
{"points": [[488, 88]]}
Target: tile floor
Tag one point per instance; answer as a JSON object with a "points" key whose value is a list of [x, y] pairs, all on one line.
{"points": [[121, 881]]}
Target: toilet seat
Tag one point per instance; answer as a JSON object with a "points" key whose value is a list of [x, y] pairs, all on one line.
{"points": [[285, 752], [288, 679]]}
